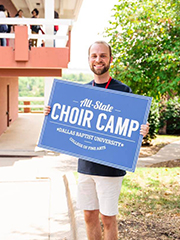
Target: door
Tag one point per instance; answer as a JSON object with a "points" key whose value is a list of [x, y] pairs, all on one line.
{"points": [[7, 112]]}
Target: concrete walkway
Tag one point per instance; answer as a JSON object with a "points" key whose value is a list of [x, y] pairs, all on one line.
{"points": [[167, 153], [22, 136], [35, 199], [38, 188]]}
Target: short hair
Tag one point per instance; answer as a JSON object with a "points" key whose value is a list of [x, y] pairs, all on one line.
{"points": [[35, 10], [20, 10], [2, 8], [17, 14], [56, 14], [101, 42]]}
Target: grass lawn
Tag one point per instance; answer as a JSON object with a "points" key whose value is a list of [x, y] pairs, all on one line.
{"points": [[151, 189], [149, 204]]}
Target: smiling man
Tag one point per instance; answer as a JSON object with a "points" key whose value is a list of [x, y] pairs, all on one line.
{"points": [[100, 59], [99, 185]]}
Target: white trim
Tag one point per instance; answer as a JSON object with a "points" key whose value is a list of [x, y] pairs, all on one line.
{"points": [[61, 8], [77, 8], [31, 106], [29, 4], [36, 21], [30, 98]]}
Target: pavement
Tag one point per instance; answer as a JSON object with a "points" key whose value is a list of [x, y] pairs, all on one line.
{"points": [[167, 153], [38, 187]]}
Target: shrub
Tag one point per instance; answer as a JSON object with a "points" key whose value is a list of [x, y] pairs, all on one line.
{"points": [[153, 120], [170, 115]]}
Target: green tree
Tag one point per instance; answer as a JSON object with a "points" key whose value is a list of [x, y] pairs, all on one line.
{"points": [[170, 115], [145, 40], [81, 77], [31, 87]]}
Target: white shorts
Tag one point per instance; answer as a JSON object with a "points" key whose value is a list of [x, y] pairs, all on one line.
{"points": [[98, 192]]}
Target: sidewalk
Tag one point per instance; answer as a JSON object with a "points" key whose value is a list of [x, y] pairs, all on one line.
{"points": [[167, 153], [22, 136], [38, 189], [34, 201]]}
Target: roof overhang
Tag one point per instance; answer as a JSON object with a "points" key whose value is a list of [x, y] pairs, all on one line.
{"points": [[67, 9]]}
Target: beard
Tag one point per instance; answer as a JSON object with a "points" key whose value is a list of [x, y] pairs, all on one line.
{"points": [[100, 71]]}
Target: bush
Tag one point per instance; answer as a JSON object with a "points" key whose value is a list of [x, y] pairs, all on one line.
{"points": [[153, 120], [170, 116]]}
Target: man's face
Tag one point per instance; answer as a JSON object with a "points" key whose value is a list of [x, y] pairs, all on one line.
{"points": [[99, 58]]}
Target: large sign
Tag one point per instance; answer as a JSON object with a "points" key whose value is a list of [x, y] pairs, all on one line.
{"points": [[96, 124]]}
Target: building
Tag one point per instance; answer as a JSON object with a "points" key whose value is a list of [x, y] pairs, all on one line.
{"points": [[20, 59]]}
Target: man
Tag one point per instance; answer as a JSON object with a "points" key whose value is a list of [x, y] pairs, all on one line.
{"points": [[99, 186]]}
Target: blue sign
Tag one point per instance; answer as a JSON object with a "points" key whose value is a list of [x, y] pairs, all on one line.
{"points": [[96, 124]]}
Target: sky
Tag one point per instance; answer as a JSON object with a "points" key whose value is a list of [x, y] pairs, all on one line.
{"points": [[92, 19]]}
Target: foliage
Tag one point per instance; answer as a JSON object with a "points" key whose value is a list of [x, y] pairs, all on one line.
{"points": [[145, 40], [34, 86], [80, 78], [153, 120], [31, 87], [170, 114]]}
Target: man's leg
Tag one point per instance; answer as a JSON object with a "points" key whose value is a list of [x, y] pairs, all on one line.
{"points": [[110, 227], [93, 227], [108, 190], [88, 202]]}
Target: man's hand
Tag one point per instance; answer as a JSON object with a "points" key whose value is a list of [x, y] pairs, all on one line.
{"points": [[47, 110], [144, 129]]}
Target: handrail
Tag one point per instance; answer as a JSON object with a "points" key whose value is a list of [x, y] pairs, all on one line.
{"points": [[35, 21], [27, 106], [30, 98]]}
